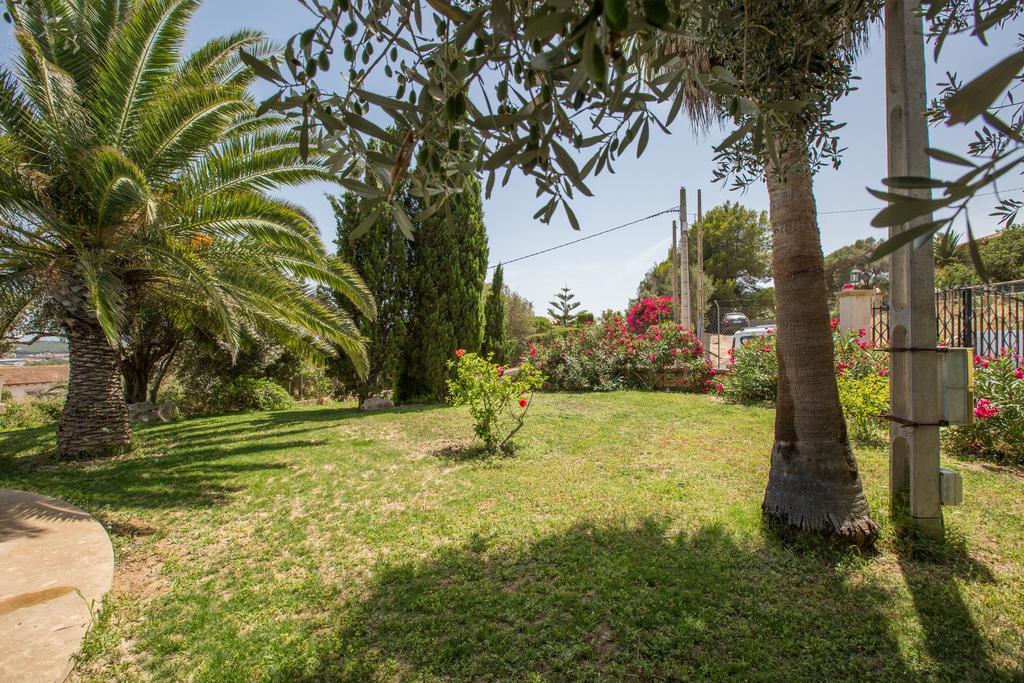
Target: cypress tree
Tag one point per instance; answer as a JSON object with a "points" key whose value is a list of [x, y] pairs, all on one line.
{"points": [[495, 337], [449, 264], [381, 256]]}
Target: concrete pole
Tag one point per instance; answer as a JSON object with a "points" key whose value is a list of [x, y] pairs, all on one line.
{"points": [[684, 262], [674, 273], [699, 229], [914, 393]]}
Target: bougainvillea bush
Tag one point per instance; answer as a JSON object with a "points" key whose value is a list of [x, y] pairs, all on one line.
{"points": [[497, 400], [655, 310], [997, 432], [611, 356]]}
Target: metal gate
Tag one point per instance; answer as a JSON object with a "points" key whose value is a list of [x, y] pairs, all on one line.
{"points": [[986, 318]]}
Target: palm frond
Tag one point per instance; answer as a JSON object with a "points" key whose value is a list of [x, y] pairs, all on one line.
{"points": [[181, 124], [120, 190], [218, 62], [144, 50]]}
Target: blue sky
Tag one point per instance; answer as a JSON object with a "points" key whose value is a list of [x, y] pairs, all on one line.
{"points": [[604, 272]]}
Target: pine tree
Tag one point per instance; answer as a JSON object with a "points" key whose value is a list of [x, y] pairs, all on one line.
{"points": [[495, 334], [381, 256], [449, 264], [562, 306]]}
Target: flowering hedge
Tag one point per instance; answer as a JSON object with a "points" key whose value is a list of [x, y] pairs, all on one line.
{"points": [[612, 356], [754, 371], [997, 432], [656, 310]]}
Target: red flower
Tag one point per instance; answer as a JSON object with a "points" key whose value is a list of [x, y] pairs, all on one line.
{"points": [[501, 371], [533, 352], [981, 361], [847, 287], [522, 403], [460, 352], [984, 410], [719, 387], [766, 348], [1019, 372], [835, 323], [862, 332]]}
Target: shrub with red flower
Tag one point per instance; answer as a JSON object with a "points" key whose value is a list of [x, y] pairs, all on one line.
{"points": [[650, 311], [490, 393], [611, 355], [997, 432]]}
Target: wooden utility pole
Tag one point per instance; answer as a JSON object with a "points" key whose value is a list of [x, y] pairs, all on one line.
{"points": [[914, 386], [699, 230], [683, 316], [674, 272]]}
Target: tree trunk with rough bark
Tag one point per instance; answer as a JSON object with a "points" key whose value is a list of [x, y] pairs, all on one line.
{"points": [[814, 484], [95, 418]]}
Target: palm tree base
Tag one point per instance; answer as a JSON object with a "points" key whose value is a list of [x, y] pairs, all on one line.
{"points": [[94, 422], [814, 487]]}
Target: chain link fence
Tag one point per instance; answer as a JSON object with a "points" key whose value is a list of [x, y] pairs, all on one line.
{"points": [[724, 319]]}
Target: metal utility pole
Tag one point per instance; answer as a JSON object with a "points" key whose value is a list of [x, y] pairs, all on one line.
{"points": [[914, 390], [698, 228], [674, 272], [683, 316]]}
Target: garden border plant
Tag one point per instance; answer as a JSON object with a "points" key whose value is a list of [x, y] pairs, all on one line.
{"points": [[492, 394]]}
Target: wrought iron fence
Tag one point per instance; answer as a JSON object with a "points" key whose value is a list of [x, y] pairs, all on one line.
{"points": [[986, 318]]}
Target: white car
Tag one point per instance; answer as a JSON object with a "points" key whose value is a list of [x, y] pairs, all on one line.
{"points": [[750, 334]]}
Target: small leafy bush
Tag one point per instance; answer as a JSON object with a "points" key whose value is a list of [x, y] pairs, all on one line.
{"points": [[30, 414], [864, 399], [753, 372], [497, 400], [611, 356], [249, 393], [997, 432], [223, 396]]}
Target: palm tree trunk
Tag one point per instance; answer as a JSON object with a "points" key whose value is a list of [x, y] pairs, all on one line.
{"points": [[814, 484], [95, 419]]}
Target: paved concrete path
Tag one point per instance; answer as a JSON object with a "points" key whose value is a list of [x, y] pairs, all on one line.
{"points": [[56, 562]]}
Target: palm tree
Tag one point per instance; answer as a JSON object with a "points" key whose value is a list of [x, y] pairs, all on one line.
{"points": [[948, 249], [130, 175], [814, 483]]}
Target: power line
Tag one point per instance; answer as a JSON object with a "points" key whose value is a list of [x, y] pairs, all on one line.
{"points": [[675, 209], [589, 237]]}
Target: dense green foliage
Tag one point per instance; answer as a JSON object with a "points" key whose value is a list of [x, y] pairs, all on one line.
{"points": [[381, 256], [37, 412], [839, 264], [497, 400], [448, 267], [227, 395], [495, 343], [864, 399], [1002, 255]]}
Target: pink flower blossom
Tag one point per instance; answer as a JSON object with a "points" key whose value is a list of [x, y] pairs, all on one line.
{"points": [[460, 353], [862, 332], [980, 361], [1019, 372], [847, 287], [984, 410], [533, 352], [501, 370]]}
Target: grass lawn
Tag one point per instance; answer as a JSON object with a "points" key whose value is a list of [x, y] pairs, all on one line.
{"points": [[624, 541]]}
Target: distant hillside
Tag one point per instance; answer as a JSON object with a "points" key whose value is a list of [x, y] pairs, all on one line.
{"points": [[48, 345]]}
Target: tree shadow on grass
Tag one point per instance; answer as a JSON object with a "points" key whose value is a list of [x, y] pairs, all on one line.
{"points": [[933, 571], [618, 602]]}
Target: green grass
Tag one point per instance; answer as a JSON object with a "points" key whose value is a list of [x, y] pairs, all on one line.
{"points": [[624, 541]]}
